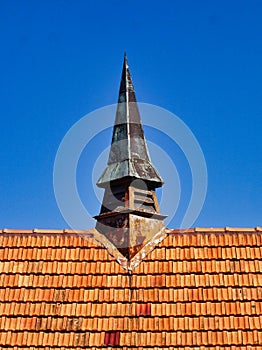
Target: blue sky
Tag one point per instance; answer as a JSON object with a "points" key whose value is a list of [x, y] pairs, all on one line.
{"points": [[60, 60]]}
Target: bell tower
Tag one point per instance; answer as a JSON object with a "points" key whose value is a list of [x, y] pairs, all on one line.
{"points": [[129, 215]]}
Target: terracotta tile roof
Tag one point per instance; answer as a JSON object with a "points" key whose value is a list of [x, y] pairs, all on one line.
{"points": [[198, 289]]}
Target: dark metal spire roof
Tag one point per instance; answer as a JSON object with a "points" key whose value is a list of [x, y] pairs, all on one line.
{"points": [[129, 157]]}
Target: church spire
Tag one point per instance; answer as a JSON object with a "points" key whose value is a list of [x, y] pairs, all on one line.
{"points": [[128, 156], [129, 215]]}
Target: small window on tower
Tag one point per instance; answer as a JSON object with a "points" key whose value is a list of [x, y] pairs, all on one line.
{"points": [[143, 309], [112, 338]]}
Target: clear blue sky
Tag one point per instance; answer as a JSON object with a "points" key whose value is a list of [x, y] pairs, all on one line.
{"points": [[62, 59]]}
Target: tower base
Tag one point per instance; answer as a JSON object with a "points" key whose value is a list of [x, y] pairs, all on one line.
{"points": [[129, 230]]}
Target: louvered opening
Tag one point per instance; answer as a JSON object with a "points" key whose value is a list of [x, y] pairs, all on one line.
{"points": [[144, 200]]}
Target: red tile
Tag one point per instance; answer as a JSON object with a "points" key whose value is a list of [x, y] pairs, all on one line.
{"points": [[184, 281]]}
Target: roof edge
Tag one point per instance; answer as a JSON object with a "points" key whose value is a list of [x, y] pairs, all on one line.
{"points": [[216, 229], [92, 231]]}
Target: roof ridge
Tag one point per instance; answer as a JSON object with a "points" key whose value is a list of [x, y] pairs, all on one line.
{"points": [[168, 231], [48, 231], [215, 229]]}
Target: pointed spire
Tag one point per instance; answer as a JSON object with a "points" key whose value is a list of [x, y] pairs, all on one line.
{"points": [[129, 157], [129, 215]]}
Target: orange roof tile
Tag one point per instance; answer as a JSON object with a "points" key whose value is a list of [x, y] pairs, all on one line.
{"points": [[197, 289]]}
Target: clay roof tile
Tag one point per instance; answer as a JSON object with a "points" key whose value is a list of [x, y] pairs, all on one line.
{"points": [[207, 279]]}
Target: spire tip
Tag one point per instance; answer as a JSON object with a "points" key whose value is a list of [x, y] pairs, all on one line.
{"points": [[125, 58]]}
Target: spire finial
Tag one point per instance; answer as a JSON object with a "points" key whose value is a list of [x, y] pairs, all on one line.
{"points": [[125, 60]]}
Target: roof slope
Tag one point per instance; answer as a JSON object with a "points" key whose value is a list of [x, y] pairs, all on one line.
{"points": [[199, 289]]}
